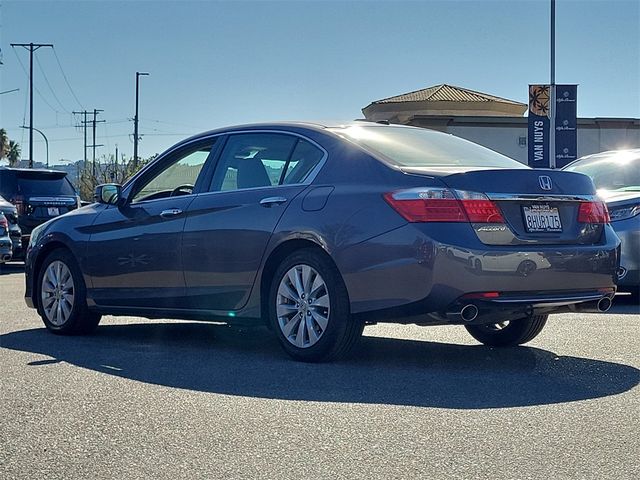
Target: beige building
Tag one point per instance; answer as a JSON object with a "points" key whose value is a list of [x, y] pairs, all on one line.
{"points": [[495, 122]]}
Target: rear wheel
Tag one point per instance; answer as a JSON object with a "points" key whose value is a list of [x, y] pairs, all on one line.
{"points": [[509, 333], [62, 296], [309, 308]]}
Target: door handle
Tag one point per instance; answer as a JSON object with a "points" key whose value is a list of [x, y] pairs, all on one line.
{"points": [[172, 212], [272, 201]]}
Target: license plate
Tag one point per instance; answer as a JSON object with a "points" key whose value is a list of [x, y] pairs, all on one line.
{"points": [[53, 211], [541, 218]]}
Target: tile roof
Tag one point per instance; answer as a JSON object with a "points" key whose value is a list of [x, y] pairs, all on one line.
{"points": [[445, 93]]}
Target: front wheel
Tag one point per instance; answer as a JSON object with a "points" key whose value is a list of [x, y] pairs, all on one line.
{"points": [[62, 296], [309, 308], [509, 333]]}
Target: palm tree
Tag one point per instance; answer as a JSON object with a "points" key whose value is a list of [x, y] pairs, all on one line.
{"points": [[4, 143], [13, 153]]}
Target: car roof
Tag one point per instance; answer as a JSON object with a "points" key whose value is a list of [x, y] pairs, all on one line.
{"points": [[305, 125], [628, 152]]}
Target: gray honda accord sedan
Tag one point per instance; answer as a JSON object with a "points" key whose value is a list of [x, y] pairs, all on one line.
{"points": [[318, 230]]}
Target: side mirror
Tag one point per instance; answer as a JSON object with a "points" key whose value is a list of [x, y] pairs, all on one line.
{"points": [[108, 193]]}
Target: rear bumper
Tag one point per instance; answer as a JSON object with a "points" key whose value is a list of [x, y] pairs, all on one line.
{"points": [[412, 270]]}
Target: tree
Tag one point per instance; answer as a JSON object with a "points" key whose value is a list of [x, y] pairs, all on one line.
{"points": [[107, 170], [13, 153], [4, 143]]}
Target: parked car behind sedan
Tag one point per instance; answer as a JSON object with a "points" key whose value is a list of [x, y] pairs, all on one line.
{"points": [[616, 175], [318, 230], [11, 213], [6, 247], [38, 195]]}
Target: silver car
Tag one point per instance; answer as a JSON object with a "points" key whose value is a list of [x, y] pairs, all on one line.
{"points": [[616, 175]]}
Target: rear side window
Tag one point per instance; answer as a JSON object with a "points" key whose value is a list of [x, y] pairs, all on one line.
{"points": [[420, 147], [304, 159], [254, 160], [7, 184]]}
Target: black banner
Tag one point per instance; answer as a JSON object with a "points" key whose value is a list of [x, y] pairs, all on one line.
{"points": [[566, 125], [538, 127]]}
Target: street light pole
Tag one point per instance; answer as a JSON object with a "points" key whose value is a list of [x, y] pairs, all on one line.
{"points": [[46, 141], [552, 93], [135, 121]]}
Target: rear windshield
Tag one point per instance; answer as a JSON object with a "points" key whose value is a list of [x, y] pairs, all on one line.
{"points": [[420, 147], [45, 186]]}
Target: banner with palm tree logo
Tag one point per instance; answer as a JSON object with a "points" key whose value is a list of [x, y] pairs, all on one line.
{"points": [[538, 126]]}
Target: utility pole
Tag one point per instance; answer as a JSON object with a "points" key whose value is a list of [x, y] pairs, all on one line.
{"points": [[135, 122], [115, 166], [32, 47], [94, 145], [84, 124]]}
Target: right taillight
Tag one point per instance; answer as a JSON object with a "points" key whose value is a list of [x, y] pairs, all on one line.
{"points": [[444, 205], [593, 212], [3, 222]]}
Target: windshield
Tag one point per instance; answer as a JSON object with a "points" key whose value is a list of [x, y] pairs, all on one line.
{"points": [[420, 147], [615, 171]]}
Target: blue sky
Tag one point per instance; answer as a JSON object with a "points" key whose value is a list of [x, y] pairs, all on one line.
{"points": [[219, 63]]}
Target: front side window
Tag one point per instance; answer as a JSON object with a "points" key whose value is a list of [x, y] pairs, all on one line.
{"points": [[177, 178], [254, 160]]}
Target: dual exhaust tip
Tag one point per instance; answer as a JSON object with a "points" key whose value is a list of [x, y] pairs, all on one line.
{"points": [[469, 312]]}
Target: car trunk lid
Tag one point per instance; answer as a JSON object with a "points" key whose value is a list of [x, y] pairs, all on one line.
{"points": [[538, 206]]}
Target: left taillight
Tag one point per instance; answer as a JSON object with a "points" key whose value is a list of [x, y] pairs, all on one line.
{"points": [[443, 205], [4, 224], [593, 212]]}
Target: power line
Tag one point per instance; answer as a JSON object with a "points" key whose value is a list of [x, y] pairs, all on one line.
{"points": [[122, 135], [50, 87], [42, 97], [66, 79]]}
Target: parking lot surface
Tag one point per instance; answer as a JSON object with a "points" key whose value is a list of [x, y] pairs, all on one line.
{"points": [[167, 400]]}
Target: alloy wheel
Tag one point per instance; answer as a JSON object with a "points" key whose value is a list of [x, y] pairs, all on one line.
{"points": [[57, 293], [303, 306]]}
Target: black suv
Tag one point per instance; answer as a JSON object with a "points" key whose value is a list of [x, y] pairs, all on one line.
{"points": [[38, 196]]}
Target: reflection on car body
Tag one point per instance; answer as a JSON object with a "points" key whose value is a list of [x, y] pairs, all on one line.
{"points": [[521, 263]]}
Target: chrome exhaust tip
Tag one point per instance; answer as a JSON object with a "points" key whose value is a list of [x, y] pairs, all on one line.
{"points": [[466, 313], [469, 312], [604, 304]]}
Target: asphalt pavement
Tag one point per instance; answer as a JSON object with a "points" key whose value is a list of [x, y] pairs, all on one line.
{"points": [[182, 400]]}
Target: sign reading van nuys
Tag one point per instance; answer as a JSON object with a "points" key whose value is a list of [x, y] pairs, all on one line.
{"points": [[539, 124]]}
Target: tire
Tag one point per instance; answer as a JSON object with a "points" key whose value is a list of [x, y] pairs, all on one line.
{"points": [[311, 320], [508, 334], [60, 283]]}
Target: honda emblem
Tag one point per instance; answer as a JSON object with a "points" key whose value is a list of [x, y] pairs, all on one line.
{"points": [[545, 182]]}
